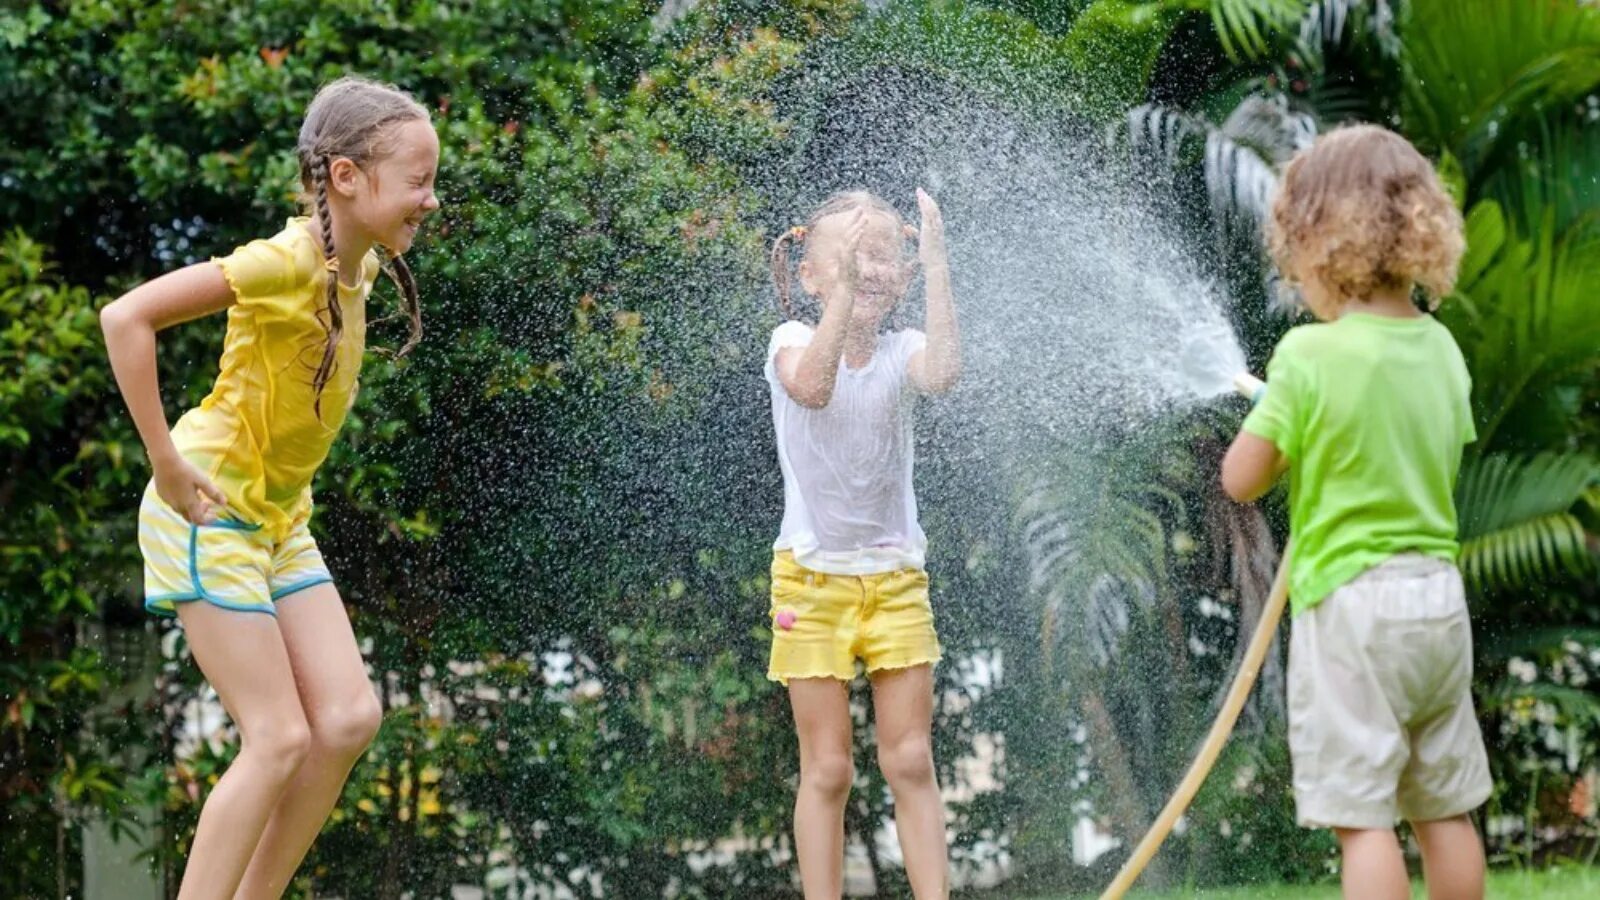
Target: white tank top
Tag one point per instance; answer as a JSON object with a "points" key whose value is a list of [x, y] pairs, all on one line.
{"points": [[848, 506]]}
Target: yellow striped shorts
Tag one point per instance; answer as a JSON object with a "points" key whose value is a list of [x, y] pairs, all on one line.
{"points": [[232, 564]]}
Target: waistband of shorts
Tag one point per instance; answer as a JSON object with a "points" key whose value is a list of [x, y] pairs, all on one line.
{"points": [[1407, 565]]}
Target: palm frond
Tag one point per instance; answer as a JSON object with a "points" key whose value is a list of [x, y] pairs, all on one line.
{"points": [[1517, 521], [1523, 313], [1245, 26], [1325, 22], [1570, 703], [1503, 644], [1475, 68], [1241, 156], [1096, 553], [1550, 171], [1329, 22]]}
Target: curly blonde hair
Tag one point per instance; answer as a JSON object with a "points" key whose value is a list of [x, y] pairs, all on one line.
{"points": [[1361, 210]]}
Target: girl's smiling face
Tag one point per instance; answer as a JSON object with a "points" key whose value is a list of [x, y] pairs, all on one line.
{"points": [[883, 271], [398, 190]]}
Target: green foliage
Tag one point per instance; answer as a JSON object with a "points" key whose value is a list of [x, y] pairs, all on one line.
{"points": [[1120, 41], [1519, 524], [65, 473], [999, 57], [1479, 73], [1246, 27], [1521, 316], [1244, 822]]}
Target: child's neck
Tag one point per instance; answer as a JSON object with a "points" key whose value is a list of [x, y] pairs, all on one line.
{"points": [[351, 246], [1393, 303]]}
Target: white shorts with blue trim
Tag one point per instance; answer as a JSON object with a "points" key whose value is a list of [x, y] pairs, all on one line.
{"points": [[231, 564]]}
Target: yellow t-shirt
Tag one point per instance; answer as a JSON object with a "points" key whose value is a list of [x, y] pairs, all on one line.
{"points": [[257, 435]]}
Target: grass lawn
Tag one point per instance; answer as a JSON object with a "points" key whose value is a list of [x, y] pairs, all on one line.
{"points": [[1569, 883]]}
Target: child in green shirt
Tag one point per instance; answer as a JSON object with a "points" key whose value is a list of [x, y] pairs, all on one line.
{"points": [[1368, 411]]}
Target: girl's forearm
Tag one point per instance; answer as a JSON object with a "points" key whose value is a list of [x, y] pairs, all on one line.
{"points": [[942, 359], [819, 362]]}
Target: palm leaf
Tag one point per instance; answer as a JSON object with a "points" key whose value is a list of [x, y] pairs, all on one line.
{"points": [[1328, 22], [1550, 172], [1503, 644], [1572, 704], [1476, 68], [1518, 525], [1096, 552], [1241, 156], [1245, 26], [1524, 313]]}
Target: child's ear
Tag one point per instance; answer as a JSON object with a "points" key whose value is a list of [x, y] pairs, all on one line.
{"points": [[343, 176], [808, 277]]}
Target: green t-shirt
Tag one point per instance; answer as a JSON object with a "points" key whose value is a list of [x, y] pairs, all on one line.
{"points": [[1371, 413]]}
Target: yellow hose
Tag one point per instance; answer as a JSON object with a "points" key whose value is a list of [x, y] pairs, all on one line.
{"points": [[1243, 681]]}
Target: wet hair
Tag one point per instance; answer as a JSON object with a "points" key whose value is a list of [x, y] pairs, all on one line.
{"points": [[841, 202], [1361, 210], [352, 118]]}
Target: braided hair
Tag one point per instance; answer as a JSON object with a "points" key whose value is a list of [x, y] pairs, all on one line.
{"points": [[350, 118]]}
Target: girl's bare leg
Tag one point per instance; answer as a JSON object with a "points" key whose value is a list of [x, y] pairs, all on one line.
{"points": [[902, 700], [822, 721]]}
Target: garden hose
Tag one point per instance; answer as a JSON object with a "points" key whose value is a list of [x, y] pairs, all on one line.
{"points": [[1222, 728]]}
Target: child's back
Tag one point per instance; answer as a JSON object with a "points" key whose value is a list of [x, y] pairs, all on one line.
{"points": [[1371, 412]]}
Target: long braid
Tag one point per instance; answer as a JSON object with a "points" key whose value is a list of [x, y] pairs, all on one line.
{"points": [[335, 314], [350, 119], [780, 266], [400, 273]]}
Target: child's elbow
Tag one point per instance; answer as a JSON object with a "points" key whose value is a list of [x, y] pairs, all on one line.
{"points": [[1241, 480], [937, 379], [816, 399], [946, 381], [1236, 488]]}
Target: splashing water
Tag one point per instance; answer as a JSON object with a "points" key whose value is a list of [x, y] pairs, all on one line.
{"points": [[1084, 316], [1080, 308]]}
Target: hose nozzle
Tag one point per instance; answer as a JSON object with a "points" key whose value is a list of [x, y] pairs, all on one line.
{"points": [[1251, 387]]}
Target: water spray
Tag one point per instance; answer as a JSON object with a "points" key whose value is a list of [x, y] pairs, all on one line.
{"points": [[1243, 681]]}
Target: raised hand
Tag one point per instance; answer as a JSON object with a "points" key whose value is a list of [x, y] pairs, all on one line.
{"points": [[849, 260], [930, 243]]}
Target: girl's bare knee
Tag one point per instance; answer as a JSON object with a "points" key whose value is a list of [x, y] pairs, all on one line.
{"points": [[279, 748], [830, 775], [347, 729]]}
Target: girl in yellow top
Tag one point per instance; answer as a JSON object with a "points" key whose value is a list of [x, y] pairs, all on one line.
{"points": [[223, 521]]}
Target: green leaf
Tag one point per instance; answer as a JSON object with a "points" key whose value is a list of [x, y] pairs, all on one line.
{"points": [[1518, 526], [1245, 26]]}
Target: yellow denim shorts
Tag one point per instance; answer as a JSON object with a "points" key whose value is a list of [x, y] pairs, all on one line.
{"points": [[821, 623], [231, 564]]}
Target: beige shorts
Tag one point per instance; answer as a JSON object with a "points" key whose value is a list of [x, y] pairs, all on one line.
{"points": [[1381, 724]]}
